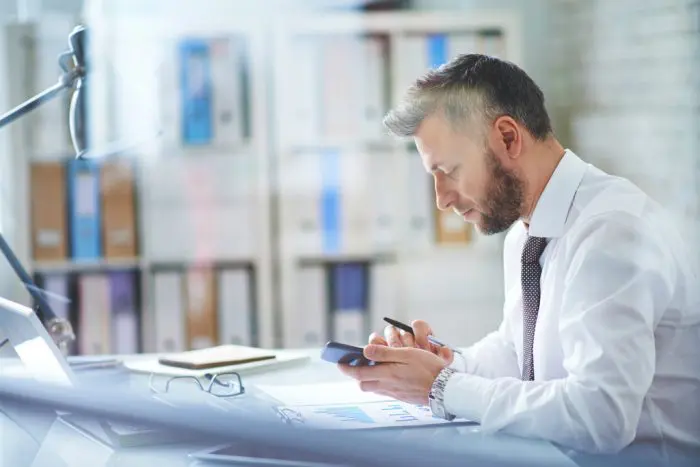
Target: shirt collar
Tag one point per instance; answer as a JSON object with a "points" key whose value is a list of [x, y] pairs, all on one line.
{"points": [[552, 209]]}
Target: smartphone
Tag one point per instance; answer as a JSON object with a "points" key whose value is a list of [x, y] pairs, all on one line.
{"points": [[335, 352]]}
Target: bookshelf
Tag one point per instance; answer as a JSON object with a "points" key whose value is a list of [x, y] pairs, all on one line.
{"points": [[351, 195], [279, 214], [199, 205]]}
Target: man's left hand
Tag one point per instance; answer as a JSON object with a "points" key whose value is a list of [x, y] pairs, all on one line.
{"points": [[403, 373]]}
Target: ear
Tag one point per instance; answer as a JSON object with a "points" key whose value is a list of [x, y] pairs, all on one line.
{"points": [[507, 138]]}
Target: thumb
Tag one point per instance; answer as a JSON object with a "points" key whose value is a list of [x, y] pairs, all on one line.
{"points": [[446, 354], [381, 353]]}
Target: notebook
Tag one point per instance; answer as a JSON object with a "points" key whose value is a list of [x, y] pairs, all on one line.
{"points": [[213, 357]]}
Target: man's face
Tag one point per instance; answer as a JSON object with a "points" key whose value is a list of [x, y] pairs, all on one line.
{"points": [[469, 178]]}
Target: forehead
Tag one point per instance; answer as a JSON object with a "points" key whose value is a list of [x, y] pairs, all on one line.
{"points": [[439, 144]]}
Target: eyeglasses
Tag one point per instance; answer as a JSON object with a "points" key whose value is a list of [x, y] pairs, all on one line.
{"points": [[218, 384]]}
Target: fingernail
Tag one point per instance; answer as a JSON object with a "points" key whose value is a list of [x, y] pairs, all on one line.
{"points": [[369, 351]]}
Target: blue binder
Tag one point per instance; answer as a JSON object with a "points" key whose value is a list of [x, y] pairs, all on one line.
{"points": [[196, 92], [84, 209], [349, 299], [331, 201], [437, 50]]}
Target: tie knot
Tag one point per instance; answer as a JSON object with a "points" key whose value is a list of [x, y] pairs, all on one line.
{"points": [[534, 246]]}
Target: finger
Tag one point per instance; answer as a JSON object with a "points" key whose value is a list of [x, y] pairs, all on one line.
{"points": [[446, 354], [376, 339], [370, 386], [392, 336], [422, 330], [406, 339], [379, 353], [366, 373]]}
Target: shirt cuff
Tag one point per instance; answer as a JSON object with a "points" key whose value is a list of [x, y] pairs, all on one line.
{"points": [[458, 363], [465, 396]]}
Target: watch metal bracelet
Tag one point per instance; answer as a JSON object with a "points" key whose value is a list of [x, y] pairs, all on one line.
{"points": [[437, 393]]}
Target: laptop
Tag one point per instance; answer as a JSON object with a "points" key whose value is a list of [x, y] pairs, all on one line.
{"points": [[43, 361]]}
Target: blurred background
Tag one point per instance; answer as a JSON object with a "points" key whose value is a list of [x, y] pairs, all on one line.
{"points": [[254, 197]]}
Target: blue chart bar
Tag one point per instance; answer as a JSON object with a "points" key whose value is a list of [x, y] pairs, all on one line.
{"points": [[347, 414], [398, 413]]}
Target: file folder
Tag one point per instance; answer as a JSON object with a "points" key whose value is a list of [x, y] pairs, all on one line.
{"points": [[48, 205], [84, 208], [95, 313], [125, 330], [236, 312], [200, 292], [331, 201], [196, 92], [118, 210], [168, 311], [308, 325], [349, 299]]}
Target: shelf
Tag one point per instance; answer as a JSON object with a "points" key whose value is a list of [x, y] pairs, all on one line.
{"points": [[316, 260], [86, 265]]}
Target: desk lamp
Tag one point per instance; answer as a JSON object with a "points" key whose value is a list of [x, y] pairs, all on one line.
{"points": [[73, 77]]}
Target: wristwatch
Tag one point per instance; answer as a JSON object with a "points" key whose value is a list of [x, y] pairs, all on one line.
{"points": [[436, 397]]}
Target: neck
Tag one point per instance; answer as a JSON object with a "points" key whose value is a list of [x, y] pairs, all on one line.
{"points": [[542, 161]]}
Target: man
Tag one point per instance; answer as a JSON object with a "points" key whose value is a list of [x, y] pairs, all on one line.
{"points": [[600, 339]]}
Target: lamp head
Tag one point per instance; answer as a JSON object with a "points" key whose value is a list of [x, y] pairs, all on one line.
{"points": [[78, 113]]}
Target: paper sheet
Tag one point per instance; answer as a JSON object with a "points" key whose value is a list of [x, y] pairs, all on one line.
{"points": [[343, 405], [342, 392], [384, 414]]}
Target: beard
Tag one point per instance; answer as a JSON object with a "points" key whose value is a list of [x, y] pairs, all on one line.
{"points": [[504, 200]]}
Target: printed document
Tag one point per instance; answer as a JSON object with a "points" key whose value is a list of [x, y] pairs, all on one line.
{"points": [[344, 406]]}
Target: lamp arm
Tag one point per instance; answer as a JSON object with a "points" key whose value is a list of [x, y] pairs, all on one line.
{"points": [[60, 329], [66, 81]]}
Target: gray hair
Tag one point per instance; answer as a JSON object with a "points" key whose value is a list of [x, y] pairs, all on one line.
{"points": [[463, 108], [471, 91]]}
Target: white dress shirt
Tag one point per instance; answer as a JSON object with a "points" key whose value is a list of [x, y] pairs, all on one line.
{"points": [[617, 344]]}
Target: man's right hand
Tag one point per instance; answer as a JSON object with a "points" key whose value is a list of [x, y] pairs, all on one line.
{"points": [[394, 337]]}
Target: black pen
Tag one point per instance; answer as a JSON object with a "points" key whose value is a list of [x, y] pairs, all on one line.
{"points": [[431, 339]]}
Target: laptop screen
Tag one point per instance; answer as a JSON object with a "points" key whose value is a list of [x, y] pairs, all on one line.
{"points": [[36, 350]]}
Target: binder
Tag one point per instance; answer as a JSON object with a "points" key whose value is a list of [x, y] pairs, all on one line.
{"points": [[196, 94], [48, 207], [200, 293], [420, 202], [84, 209], [125, 328], [168, 311], [349, 299], [59, 294], [236, 311], [95, 314], [304, 104], [301, 210], [374, 86], [307, 327], [228, 72], [119, 219], [331, 202], [342, 70]]}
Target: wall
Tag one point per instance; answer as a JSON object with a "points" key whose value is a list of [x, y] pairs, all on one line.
{"points": [[634, 93]]}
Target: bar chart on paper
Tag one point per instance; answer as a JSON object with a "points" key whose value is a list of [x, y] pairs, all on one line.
{"points": [[382, 414]]}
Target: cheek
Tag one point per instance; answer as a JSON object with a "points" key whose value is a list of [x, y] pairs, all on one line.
{"points": [[472, 187]]}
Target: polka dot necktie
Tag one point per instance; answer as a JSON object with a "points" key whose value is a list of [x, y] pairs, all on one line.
{"points": [[530, 280]]}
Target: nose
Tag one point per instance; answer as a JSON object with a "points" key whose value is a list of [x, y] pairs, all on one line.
{"points": [[445, 196]]}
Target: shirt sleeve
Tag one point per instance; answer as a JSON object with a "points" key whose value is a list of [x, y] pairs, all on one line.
{"points": [[492, 357], [619, 281]]}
